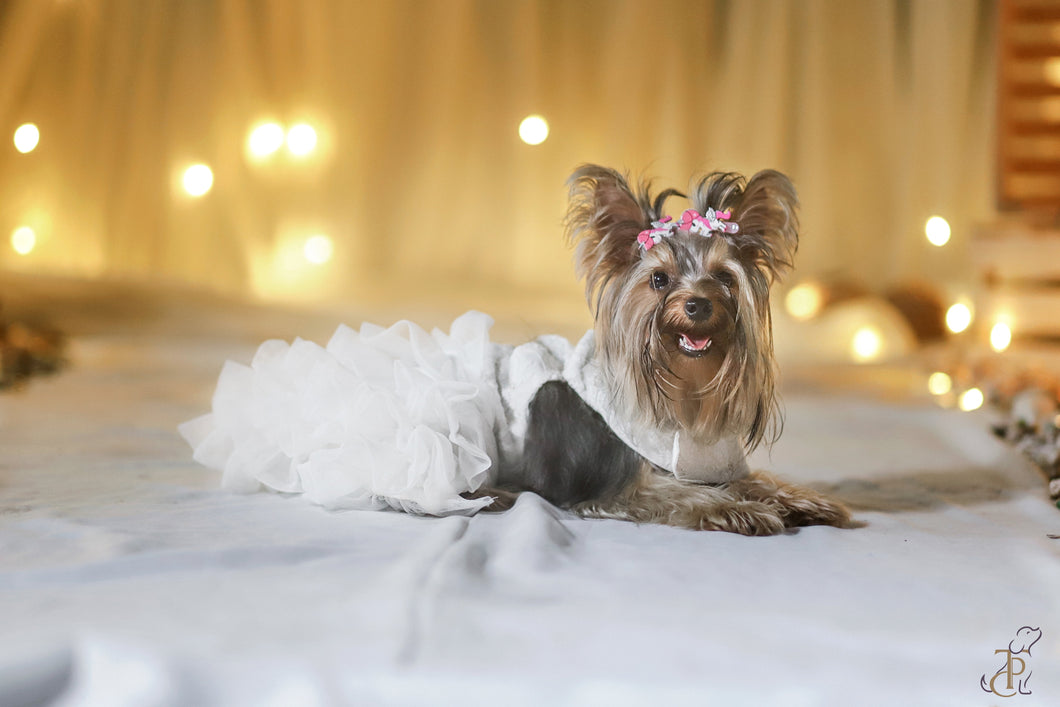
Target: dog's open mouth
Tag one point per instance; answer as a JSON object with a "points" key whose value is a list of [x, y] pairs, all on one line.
{"points": [[692, 346]]}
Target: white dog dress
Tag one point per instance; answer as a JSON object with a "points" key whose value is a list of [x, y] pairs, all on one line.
{"points": [[407, 419]]}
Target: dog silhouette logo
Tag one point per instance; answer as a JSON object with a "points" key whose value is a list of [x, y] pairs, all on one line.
{"points": [[1010, 679]]}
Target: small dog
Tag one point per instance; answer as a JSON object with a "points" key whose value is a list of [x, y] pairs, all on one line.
{"points": [[649, 417], [684, 354]]}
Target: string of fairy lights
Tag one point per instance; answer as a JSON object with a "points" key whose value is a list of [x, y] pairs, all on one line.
{"points": [[265, 141], [807, 300], [268, 139]]}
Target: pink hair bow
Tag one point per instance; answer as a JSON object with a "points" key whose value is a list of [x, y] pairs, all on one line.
{"points": [[691, 221], [660, 228], [707, 223]]}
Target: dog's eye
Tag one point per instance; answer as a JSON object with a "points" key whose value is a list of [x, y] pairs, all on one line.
{"points": [[725, 278], [659, 280]]}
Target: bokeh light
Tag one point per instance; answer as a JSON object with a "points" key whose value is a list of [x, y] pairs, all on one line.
{"points": [[866, 344], [318, 249], [958, 317], [301, 139], [1000, 336], [23, 240], [804, 301], [265, 139], [1051, 69], [27, 136], [198, 179], [939, 383], [937, 230], [533, 130], [971, 399]]}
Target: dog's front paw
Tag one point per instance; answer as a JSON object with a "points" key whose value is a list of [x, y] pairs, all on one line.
{"points": [[743, 517], [811, 508], [797, 505]]}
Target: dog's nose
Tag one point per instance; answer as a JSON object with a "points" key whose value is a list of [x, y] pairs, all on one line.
{"points": [[698, 308]]}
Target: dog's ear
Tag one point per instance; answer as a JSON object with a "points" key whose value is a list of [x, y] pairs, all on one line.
{"points": [[767, 213], [604, 217], [766, 210]]}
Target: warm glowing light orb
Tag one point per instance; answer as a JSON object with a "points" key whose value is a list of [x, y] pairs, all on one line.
{"points": [[533, 130], [937, 230], [198, 179], [23, 240], [318, 249], [971, 399], [939, 383], [1000, 336], [265, 139], [958, 317], [804, 301], [301, 139], [26, 138], [1052, 70], [866, 344]]}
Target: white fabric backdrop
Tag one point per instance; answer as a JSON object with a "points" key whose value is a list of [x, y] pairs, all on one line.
{"points": [[880, 109]]}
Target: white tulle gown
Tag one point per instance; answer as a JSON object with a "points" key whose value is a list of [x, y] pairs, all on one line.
{"points": [[407, 419], [380, 417]]}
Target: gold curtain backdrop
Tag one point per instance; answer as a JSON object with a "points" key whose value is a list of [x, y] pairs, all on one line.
{"points": [[880, 110]]}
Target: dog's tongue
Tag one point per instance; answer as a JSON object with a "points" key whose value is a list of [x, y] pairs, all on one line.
{"points": [[695, 344]]}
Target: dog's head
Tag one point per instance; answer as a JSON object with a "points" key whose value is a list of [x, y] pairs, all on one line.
{"points": [[682, 305]]}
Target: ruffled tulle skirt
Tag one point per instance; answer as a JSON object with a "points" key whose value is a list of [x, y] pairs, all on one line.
{"points": [[394, 417]]}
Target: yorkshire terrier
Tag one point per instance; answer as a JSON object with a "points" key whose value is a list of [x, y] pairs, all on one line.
{"points": [[648, 418], [683, 355]]}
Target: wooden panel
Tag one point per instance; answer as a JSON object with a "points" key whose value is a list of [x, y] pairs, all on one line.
{"points": [[1028, 104], [1020, 268], [1028, 311], [1036, 148], [1030, 356], [1008, 253], [1035, 11]]}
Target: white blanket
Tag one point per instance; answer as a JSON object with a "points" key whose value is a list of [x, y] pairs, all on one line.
{"points": [[128, 578]]}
